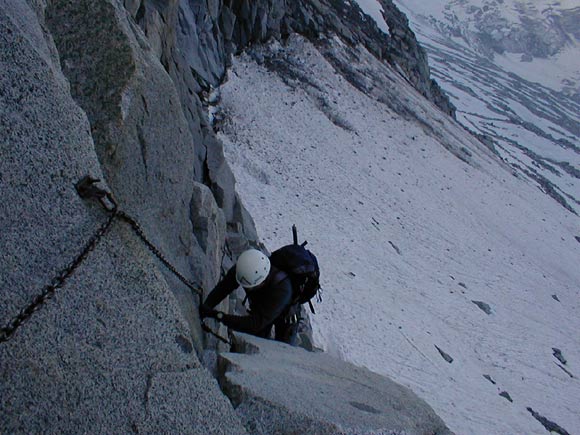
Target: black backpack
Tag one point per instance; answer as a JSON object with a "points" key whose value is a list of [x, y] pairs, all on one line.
{"points": [[302, 267]]}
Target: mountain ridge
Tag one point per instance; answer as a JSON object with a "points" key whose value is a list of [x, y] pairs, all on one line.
{"points": [[533, 126]]}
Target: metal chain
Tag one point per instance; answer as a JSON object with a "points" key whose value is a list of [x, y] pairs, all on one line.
{"points": [[7, 332], [207, 329], [139, 231], [88, 190]]}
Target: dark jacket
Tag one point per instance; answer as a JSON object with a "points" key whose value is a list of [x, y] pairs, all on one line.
{"points": [[267, 304]]}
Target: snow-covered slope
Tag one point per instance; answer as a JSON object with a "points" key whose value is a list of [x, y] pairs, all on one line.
{"points": [[417, 226], [511, 69], [529, 38]]}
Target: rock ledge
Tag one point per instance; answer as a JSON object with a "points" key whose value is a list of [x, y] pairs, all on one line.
{"points": [[278, 389]]}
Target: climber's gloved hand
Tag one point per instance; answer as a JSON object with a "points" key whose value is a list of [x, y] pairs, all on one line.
{"points": [[205, 311]]}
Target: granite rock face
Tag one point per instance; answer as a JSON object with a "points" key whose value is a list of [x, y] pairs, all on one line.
{"points": [[281, 390], [112, 352], [188, 40], [138, 127], [207, 32]]}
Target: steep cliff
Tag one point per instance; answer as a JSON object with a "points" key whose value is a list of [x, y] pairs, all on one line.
{"points": [[118, 91], [112, 352]]}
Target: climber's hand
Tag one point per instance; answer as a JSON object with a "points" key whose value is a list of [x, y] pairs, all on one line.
{"points": [[205, 311]]}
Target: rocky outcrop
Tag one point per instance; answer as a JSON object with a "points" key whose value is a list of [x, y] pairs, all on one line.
{"points": [[277, 389], [207, 32], [405, 52], [497, 27], [526, 30], [535, 33], [112, 351], [258, 21]]}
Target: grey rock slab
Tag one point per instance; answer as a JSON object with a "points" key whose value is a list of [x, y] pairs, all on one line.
{"points": [[86, 360], [46, 147], [279, 389], [444, 355], [483, 307], [558, 355], [200, 40], [188, 402], [137, 123], [209, 226], [140, 132]]}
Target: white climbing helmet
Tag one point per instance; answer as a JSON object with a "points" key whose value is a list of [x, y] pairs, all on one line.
{"points": [[252, 268]]}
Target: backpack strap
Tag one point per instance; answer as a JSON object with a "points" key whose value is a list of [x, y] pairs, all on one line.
{"points": [[279, 277]]}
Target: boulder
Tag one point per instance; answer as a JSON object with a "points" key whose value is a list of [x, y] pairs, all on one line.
{"points": [[281, 390]]}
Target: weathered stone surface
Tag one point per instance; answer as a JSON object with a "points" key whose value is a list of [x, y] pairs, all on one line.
{"points": [[192, 413], [141, 135], [209, 227], [89, 358], [193, 52], [279, 389], [200, 41], [160, 24], [139, 129]]}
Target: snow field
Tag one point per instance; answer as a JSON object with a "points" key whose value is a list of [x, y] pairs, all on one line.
{"points": [[407, 236]]}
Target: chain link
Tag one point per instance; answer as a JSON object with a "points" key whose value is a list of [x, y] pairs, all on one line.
{"points": [[7, 332], [207, 329], [139, 231], [87, 190]]}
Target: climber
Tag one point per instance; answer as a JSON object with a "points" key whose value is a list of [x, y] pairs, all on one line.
{"points": [[269, 292]]}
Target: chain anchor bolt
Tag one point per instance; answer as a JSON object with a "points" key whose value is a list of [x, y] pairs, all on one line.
{"points": [[87, 189]]}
